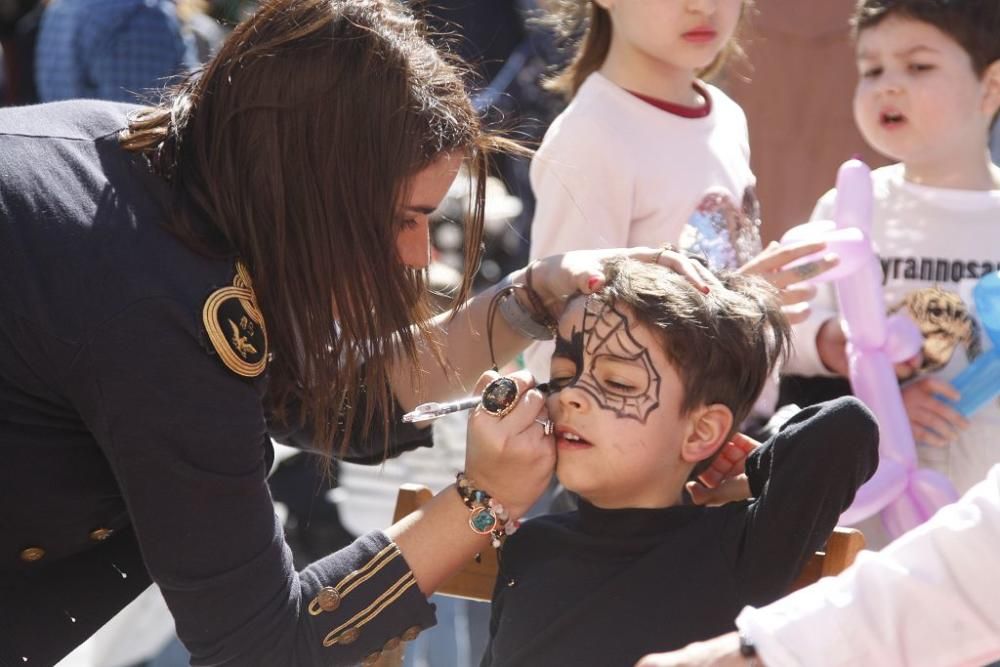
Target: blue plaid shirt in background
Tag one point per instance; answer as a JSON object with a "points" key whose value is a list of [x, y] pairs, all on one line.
{"points": [[121, 50]]}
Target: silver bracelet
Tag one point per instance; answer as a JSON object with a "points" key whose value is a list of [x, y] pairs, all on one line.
{"points": [[519, 318]]}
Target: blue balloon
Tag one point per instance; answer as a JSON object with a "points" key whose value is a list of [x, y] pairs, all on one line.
{"points": [[979, 383]]}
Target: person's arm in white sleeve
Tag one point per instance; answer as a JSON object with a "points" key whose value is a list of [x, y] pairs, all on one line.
{"points": [[930, 598]]}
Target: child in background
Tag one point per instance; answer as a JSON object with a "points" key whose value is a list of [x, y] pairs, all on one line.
{"points": [[928, 93], [647, 152], [646, 149], [650, 378]]}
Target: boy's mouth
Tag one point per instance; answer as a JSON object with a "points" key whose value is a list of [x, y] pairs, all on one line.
{"points": [[567, 438], [891, 119]]}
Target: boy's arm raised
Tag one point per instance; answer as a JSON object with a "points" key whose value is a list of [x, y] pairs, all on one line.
{"points": [[802, 480]]}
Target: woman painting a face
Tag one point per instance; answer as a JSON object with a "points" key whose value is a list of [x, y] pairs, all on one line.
{"points": [[167, 278]]}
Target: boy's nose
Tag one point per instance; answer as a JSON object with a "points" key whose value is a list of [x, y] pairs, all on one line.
{"points": [[573, 398], [890, 85]]}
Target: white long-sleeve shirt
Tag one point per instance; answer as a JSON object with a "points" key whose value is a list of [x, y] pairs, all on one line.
{"points": [[930, 599]]}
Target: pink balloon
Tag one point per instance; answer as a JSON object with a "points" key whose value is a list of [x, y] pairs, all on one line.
{"points": [[928, 491], [902, 514], [874, 382], [904, 494], [889, 482], [905, 338]]}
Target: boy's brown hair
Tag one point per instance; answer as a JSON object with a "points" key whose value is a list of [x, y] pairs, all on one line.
{"points": [[723, 344], [974, 24]]}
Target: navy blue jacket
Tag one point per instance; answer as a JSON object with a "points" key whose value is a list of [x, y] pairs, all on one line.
{"points": [[129, 451]]}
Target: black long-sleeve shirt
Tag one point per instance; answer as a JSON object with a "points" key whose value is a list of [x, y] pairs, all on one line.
{"points": [[128, 450], [605, 587]]}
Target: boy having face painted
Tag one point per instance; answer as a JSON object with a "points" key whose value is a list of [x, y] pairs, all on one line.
{"points": [[650, 378]]}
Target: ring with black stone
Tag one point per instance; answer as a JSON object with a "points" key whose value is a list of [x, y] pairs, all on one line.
{"points": [[500, 396]]}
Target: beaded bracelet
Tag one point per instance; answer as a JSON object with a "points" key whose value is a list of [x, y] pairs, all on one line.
{"points": [[487, 516]]}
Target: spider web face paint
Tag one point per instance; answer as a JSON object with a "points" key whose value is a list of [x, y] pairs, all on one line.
{"points": [[606, 338]]}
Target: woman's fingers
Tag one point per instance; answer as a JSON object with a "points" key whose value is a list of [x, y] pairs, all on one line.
{"points": [[582, 271], [557, 277], [524, 406], [510, 455], [528, 409], [694, 271]]}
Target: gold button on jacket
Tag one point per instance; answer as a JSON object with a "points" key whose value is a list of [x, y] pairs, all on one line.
{"points": [[349, 636], [32, 554], [328, 599], [100, 534]]}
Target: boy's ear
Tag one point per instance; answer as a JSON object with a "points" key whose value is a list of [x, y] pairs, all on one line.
{"points": [[709, 426], [991, 88]]}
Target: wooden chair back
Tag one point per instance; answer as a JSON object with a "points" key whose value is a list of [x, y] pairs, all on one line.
{"points": [[838, 554]]}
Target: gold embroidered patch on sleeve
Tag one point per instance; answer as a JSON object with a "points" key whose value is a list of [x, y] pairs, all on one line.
{"points": [[235, 326]]}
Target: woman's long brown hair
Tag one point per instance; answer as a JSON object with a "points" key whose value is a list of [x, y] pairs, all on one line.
{"points": [[293, 149]]}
